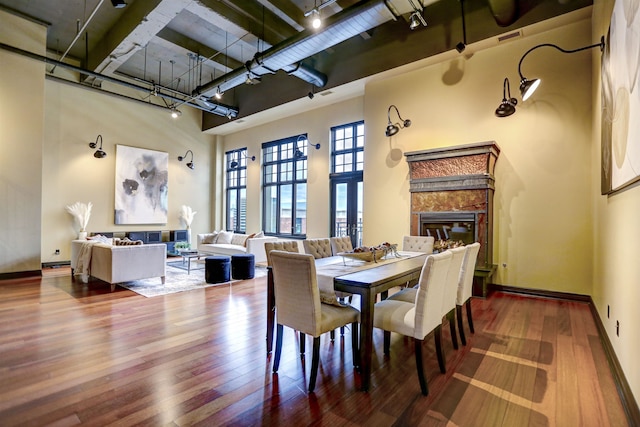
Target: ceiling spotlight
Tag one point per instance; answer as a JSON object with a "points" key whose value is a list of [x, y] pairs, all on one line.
{"points": [[175, 113], [416, 17], [99, 154], [218, 94], [392, 129], [118, 4], [508, 105], [527, 87], [316, 22], [190, 164]]}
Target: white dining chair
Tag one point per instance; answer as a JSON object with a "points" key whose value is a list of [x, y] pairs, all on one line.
{"points": [[298, 306], [340, 244], [420, 318], [418, 244], [465, 288]]}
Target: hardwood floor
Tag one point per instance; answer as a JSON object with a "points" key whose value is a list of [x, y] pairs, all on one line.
{"points": [[74, 354]]}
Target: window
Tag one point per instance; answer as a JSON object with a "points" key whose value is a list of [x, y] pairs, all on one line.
{"points": [[236, 171], [348, 148], [285, 187]]}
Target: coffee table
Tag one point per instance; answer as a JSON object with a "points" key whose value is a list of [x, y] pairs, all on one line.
{"points": [[187, 256]]}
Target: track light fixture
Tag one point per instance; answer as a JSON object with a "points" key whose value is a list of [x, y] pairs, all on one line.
{"points": [[190, 164], [218, 94], [118, 4], [527, 87], [175, 113], [316, 21], [508, 105], [99, 154], [241, 155], [392, 129], [416, 17]]}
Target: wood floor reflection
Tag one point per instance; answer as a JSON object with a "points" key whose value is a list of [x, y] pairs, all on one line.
{"points": [[79, 354]]}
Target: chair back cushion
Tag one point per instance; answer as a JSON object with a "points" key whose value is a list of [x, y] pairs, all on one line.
{"points": [[453, 278], [281, 245], [465, 286], [429, 296], [319, 248], [296, 291], [341, 244], [418, 244]]}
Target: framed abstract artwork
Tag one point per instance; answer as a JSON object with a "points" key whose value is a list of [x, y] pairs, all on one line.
{"points": [[621, 99], [141, 195]]}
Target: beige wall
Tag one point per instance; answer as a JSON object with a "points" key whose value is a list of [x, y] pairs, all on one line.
{"points": [[21, 135], [616, 269]]}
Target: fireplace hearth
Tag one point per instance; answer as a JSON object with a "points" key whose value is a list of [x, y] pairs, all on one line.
{"points": [[452, 198]]}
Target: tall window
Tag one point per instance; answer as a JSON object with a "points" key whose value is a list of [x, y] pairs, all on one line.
{"points": [[347, 164], [236, 171], [285, 187]]}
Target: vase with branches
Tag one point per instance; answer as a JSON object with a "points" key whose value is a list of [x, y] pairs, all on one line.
{"points": [[81, 212], [186, 215]]}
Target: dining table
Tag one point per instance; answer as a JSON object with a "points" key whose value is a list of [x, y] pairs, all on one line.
{"points": [[366, 279]]}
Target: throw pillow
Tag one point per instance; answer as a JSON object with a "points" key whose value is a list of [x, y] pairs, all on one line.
{"points": [[239, 239], [224, 237], [209, 238], [127, 242], [258, 234]]}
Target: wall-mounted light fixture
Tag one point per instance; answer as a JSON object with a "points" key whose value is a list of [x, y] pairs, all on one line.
{"points": [[99, 154], [527, 87], [508, 105], [416, 17], [392, 129], [190, 164], [235, 163], [297, 151]]}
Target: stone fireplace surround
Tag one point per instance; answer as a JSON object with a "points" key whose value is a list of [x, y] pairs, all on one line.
{"points": [[454, 184]]}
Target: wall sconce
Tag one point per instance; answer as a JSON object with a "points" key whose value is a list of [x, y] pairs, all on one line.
{"points": [[392, 129], [527, 87], [508, 105], [297, 151], [234, 164], [416, 17], [99, 154], [190, 164]]}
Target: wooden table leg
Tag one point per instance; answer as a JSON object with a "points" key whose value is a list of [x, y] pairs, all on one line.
{"points": [[271, 306], [368, 299]]}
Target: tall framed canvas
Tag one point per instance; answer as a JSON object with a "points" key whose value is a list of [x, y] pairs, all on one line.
{"points": [[141, 186], [621, 99]]}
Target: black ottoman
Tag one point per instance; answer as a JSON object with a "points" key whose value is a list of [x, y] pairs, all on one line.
{"points": [[217, 269], [243, 266]]}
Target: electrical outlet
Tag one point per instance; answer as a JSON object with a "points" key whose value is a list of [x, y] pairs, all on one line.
{"points": [[57, 252], [617, 328]]}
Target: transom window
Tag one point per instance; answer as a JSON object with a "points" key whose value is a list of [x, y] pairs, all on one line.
{"points": [[348, 148], [236, 174], [285, 186]]}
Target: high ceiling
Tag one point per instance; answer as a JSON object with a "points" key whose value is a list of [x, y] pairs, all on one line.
{"points": [[262, 53]]}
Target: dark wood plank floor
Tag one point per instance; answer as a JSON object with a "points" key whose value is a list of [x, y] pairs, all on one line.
{"points": [[76, 354]]}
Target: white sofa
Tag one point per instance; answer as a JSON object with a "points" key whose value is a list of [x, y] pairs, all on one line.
{"points": [[240, 244], [118, 264]]}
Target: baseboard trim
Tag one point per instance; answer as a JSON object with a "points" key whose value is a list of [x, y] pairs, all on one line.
{"points": [[629, 405], [20, 274]]}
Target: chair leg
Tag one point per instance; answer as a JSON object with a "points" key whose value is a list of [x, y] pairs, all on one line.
{"points": [[452, 328], [276, 359], [387, 341], [332, 335], [421, 378], [302, 344], [354, 344], [463, 339], [314, 363], [439, 352], [469, 317]]}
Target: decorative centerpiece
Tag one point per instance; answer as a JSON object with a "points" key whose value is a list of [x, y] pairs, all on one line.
{"points": [[186, 215], [81, 212], [371, 253]]}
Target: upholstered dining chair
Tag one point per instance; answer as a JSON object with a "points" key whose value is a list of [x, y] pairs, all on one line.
{"points": [[298, 306], [420, 318], [319, 248], [281, 245], [418, 244], [465, 288], [448, 306], [341, 244]]}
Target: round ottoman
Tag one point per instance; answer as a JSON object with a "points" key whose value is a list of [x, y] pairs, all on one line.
{"points": [[217, 269], [243, 266]]}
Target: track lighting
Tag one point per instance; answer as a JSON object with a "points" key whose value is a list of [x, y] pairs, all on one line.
{"points": [[416, 17], [234, 163], [527, 87], [392, 129], [190, 164], [316, 21], [99, 154], [175, 113], [218, 94], [508, 105], [118, 4]]}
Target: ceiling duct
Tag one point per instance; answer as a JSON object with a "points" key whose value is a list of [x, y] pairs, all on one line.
{"points": [[285, 55]]}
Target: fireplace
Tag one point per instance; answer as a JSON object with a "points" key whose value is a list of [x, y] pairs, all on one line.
{"points": [[452, 197]]}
